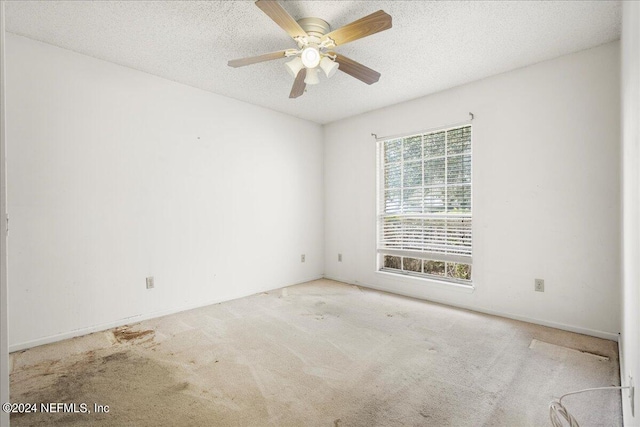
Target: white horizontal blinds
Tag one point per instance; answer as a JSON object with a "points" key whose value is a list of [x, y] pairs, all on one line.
{"points": [[425, 208]]}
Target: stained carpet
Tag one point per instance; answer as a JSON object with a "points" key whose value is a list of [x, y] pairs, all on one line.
{"points": [[319, 354]]}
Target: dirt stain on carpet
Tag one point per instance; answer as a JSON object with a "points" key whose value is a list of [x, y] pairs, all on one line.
{"points": [[125, 334], [110, 378]]}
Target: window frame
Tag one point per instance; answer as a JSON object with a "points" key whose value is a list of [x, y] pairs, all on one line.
{"points": [[381, 206]]}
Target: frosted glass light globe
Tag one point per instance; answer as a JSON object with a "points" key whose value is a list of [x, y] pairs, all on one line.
{"points": [[294, 66], [310, 57], [328, 66], [312, 76]]}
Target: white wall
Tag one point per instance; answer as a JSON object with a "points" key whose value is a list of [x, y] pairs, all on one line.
{"points": [[117, 175], [110, 184], [630, 339], [546, 147]]}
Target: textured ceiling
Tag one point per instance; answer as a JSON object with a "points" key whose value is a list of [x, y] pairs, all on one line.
{"points": [[432, 45]]}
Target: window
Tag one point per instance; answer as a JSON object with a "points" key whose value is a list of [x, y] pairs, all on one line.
{"points": [[424, 205]]}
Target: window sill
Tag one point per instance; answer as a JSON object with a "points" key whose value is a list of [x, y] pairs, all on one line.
{"points": [[440, 284]]}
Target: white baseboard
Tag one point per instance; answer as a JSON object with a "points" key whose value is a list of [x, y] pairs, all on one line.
{"points": [[627, 418], [137, 318], [145, 316], [620, 358], [571, 328]]}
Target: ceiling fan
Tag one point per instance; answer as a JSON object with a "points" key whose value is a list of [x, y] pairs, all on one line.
{"points": [[315, 41]]}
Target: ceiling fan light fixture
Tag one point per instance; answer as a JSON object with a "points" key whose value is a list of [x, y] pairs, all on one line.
{"points": [[312, 76], [328, 66], [315, 39], [294, 66], [310, 57]]}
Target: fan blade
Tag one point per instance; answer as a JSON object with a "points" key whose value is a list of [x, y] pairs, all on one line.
{"points": [[235, 63], [281, 17], [363, 27], [356, 69], [299, 84]]}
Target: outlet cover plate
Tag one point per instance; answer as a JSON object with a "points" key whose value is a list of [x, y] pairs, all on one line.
{"points": [[302, 258], [539, 285], [150, 284]]}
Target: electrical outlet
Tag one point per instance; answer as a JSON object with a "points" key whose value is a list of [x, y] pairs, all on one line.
{"points": [[150, 284], [302, 258], [339, 257], [539, 285]]}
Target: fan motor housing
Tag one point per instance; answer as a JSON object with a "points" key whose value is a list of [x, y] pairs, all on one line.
{"points": [[315, 26]]}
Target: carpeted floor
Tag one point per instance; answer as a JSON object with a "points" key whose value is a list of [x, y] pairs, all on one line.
{"points": [[320, 354]]}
